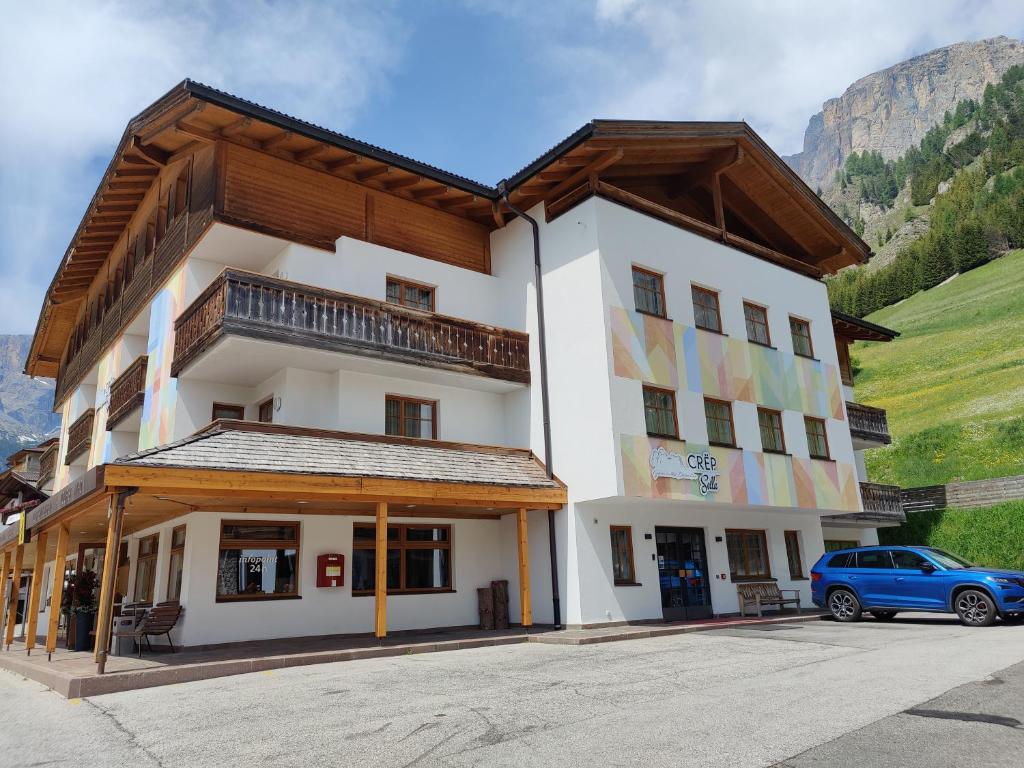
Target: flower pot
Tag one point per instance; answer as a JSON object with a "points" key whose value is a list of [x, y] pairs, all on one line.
{"points": [[83, 626]]}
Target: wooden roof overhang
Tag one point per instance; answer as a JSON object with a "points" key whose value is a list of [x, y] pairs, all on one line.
{"points": [[718, 179], [857, 329]]}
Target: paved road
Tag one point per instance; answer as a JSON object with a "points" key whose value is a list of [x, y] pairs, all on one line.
{"points": [[813, 694]]}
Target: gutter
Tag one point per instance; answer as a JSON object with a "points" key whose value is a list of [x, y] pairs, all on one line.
{"points": [[538, 278]]}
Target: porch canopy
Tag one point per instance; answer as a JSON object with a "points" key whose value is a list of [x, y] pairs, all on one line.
{"points": [[238, 467]]}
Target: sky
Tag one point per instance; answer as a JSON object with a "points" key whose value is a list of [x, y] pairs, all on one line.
{"points": [[478, 87]]}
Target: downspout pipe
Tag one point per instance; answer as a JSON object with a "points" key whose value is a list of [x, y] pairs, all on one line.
{"points": [[538, 279]]}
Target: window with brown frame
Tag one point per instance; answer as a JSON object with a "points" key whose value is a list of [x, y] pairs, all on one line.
{"points": [[228, 411], [176, 563], [419, 558], [410, 294], [800, 331], [748, 554], [660, 412], [649, 292], [772, 438], [706, 312], [410, 417], [756, 318], [796, 566], [145, 568], [817, 438], [719, 418], [265, 411], [258, 560], [623, 570]]}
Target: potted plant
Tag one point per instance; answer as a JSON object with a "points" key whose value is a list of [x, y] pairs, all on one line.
{"points": [[80, 603]]}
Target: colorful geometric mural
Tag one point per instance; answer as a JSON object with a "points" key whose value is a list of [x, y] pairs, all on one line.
{"points": [[745, 477], [112, 362], [674, 355], [62, 473], [161, 390]]}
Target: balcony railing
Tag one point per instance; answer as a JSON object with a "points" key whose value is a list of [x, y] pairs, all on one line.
{"points": [[255, 306], [882, 500], [47, 465], [80, 436], [127, 392], [868, 424]]}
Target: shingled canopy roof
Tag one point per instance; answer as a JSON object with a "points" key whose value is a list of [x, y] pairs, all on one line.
{"points": [[859, 329]]}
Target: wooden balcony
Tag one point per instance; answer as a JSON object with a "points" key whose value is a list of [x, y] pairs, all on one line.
{"points": [[882, 506], [47, 465], [255, 306], [127, 392], [867, 424], [80, 436]]}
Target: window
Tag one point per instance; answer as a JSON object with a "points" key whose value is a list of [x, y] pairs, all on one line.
{"points": [[817, 440], [660, 412], [772, 438], [266, 410], [408, 417], [177, 563], [419, 558], [800, 330], [905, 560], [719, 418], [748, 555], [705, 309], [257, 560], [840, 561], [622, 555], [876, 559], [757, 323], [225, 411], [649, 292], [796, 567], [145, 568], [831, 545], [410, 294]]}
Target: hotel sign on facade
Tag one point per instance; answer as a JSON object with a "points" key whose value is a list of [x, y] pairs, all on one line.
{"points": [[702, 468]]}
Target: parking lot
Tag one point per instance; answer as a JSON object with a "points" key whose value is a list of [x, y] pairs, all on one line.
{"points": [[803, 694]]}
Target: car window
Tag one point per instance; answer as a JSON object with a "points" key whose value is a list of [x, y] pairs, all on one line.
{"points": [[947, 560], [841, 560], [906, 560], [876, 558]]}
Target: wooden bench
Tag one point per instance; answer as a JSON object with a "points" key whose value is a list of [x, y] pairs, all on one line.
{"points": [[160, 620], [763, 594]]}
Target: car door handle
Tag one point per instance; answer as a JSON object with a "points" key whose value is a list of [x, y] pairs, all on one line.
{"points": [[900, 578]]}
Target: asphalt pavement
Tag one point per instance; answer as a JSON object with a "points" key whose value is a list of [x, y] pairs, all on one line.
{"points": [[917, 691]]}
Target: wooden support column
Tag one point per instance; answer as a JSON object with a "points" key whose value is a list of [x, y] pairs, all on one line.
{"points": [[109, 575], [3, 594], [107, 579], [57, 592], [380, 587], [716, 194], [12, 606], [524, 569], [32, 618]]}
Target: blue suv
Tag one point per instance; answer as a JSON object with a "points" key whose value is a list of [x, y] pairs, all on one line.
{"points": [[886, 580]]}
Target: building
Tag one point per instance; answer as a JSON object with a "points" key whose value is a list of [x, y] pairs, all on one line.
{"points": [[274, 343]]}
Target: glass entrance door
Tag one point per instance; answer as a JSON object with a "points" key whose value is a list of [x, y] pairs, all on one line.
{"points": [[682, 571]]}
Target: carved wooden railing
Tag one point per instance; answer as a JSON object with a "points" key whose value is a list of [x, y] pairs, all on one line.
{"points": [[127, 392], [80, 435], [868, 423], [263, 307], [47, 465], [881, 499]]}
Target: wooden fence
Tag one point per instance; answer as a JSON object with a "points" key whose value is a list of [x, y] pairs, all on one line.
{"points": [[969, 494]]}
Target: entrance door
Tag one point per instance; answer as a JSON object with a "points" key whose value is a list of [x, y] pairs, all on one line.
{"points": [[682, 571]]}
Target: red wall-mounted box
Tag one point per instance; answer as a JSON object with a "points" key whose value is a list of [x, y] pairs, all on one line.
{"points": [[330, 570]]}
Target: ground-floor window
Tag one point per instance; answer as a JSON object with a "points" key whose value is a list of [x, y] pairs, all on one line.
{"points": [[622, 555], [258, 560], [419, 558], [145, 568], [748, 554], [177, 563], [831, 545], [796, 566]]}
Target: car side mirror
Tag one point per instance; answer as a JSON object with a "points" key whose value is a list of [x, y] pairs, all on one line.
{"points": [[928, 567]]}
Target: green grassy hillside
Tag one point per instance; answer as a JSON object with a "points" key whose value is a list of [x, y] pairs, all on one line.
{"points": [[953, 382]]}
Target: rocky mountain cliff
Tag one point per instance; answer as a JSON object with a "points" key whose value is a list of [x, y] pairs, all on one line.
{"points": [[26, 415], [891, 110]]}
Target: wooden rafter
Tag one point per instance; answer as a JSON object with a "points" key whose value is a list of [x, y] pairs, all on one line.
{"points": [[276, 140], [424, 194], [373, 173], [150, 154], [235, 128], [308, 154]]}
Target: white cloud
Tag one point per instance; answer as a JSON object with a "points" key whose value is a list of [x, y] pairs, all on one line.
{"points": [[73, 74]]}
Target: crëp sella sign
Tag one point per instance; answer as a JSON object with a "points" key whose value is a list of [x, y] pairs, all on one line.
{"points": [[699, 467]]}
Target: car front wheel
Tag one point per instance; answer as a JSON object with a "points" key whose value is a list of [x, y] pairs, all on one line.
{"points": [[884, 615], [844, 605], [975, 608]]}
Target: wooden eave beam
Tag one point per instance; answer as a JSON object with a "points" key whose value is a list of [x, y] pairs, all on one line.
{"points": [[373, 173], [129, 184], [457, 202], [706, 172], [149, 135], [593, 168], [235, 128], [759, 221], [185, 151], [150, 154], [276, 140], [308, 154], [402, 183], [424, 194], [337, 165]]}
